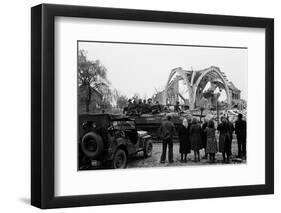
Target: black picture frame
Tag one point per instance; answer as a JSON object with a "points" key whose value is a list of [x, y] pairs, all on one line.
{"points": [[43, 117]]}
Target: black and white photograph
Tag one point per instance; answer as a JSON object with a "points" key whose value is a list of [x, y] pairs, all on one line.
{"points": [[144, 105]]}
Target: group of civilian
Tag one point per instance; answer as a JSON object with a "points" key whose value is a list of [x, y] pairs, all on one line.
{"points": [[195, 136]]}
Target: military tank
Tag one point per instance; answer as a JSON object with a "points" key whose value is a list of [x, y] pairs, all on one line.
{"points": [[152, 122], [150, 118]]}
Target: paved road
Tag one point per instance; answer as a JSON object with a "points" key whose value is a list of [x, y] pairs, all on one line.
{"points": [[154, 160]]}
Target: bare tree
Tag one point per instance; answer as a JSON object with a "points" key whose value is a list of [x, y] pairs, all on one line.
{"points": [[92, 75]]}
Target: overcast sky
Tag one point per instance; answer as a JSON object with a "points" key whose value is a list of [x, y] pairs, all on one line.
{"points": [[143, 69]]}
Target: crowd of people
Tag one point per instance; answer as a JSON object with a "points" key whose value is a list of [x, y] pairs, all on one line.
{"points": [[141, 106], [194, 136]]}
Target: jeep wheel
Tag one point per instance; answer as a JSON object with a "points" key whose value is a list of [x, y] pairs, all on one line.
{"points": [[92, 145], [120, 159], [148, 149]]}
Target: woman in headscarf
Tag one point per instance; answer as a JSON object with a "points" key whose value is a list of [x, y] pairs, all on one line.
{"points": [[195, 138], [224, 139], [211, 145], [183, 131]]}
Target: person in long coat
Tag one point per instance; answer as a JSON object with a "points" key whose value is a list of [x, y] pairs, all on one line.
{"points": [[231, 130], [167, 131], [204, 136], [241, 133], [224, 139], [211, 144], [196, 138], [183, 131]]}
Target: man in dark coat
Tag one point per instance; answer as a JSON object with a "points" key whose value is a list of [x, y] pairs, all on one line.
{"points": [[183, 132], [166, 132], [241, 132], [204, 136], [231, 130], [195, 134]]}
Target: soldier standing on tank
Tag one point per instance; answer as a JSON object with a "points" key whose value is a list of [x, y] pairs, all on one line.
{"points": [[146, 107], [149, 101], [139, 107], [157, 107], [133, 108], [166, 132], [128, 108]]}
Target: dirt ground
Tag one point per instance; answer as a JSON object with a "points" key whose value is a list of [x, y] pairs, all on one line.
{"points": [[154, 161]]}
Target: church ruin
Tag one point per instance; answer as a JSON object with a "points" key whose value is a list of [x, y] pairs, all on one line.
{"points": [[195, 83]]}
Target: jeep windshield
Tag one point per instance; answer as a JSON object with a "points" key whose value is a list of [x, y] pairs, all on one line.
{"points": [[123, 124], [105, 120]]}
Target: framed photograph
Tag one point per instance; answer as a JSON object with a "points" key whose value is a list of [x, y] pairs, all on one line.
{"points": [[140, 106]]}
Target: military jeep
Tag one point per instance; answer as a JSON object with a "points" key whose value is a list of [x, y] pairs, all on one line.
{"points": [[108, 141]]}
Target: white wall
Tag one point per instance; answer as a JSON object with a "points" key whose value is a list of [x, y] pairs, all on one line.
{"points": [[15, 104]]}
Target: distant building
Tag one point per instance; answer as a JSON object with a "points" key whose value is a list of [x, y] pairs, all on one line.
{"points": [[234, 93]]}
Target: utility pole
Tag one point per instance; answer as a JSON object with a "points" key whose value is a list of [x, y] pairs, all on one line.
{"points": [[218, 116]]}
